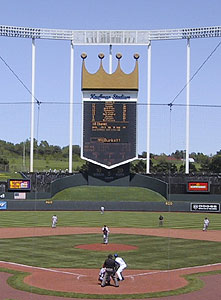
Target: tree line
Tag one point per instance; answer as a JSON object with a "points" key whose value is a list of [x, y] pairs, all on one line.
{"points": [[163, 163], [175, 162], [42, 150]]}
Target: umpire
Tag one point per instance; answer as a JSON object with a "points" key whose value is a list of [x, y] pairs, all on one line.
{"points": [[111, 267]]}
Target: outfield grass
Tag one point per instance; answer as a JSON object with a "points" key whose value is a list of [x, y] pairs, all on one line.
{"points": [[112, 193], [111, 218]]}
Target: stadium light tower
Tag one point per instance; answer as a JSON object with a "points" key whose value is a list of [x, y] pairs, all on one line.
{"points": [[32, 107]]}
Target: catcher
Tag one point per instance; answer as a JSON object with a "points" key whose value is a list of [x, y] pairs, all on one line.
{"points": [[111, 267]]}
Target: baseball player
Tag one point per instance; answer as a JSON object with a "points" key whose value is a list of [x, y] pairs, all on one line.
{"points": [[102, 210], [122, 266], [54, 221], [106, 232], [205, 224], [101, 274], [160, 220], [111, 266]]}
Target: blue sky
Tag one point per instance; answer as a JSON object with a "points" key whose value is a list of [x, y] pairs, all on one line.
{"points": [[168, 70]]}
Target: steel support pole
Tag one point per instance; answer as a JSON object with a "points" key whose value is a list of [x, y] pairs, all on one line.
{"points": [[110, 59], [32, 107], [148, 106], [71, 106], [188, 108]]}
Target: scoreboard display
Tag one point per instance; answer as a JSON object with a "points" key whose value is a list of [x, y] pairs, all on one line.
{"points": [[19, 185], [109, 132]]}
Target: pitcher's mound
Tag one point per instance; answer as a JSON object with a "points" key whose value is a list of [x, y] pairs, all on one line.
{"points": [[108, 247]]}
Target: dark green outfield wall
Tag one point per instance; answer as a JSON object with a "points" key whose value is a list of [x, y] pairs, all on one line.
{"points": [[196, 197], [39, 205], [57, 205]]}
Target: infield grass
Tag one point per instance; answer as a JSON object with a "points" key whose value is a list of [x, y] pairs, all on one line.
{"points": [[153, 253]]}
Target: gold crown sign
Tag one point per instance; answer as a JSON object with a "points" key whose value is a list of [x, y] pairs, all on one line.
{"points": [[101, 80]]}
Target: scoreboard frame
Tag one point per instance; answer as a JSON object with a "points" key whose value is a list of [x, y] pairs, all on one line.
{"points": [[117, 98]]}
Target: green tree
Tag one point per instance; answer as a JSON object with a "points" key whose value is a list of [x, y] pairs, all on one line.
{"points": [[84, 168], [165, 167], [75, 150], [4, 164], [138, 167], [204, 164], [43, 148], [192, 168], [215, 164], [178, 154]]}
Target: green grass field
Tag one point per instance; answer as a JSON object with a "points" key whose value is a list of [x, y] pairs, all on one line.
{"points": [[108, 193], [153, 252], [113, 219], [45, 251]]}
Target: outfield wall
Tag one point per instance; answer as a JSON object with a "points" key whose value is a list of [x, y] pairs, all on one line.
{"points": [[27, 205], [48, 205], [195, 197]]}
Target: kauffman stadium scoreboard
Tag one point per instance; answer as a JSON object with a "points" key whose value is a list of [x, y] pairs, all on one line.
{"points": [[109, 128], [109, 115]]}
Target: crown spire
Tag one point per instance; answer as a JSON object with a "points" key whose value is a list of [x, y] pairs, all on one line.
{"points": [[101, 80]]}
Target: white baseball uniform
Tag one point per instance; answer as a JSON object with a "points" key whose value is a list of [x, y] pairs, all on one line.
{"points": [[123, 265], [54, 221], [105, 234], [206, 224], [101, 274]]}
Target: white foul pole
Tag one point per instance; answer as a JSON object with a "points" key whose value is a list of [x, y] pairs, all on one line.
{"points": [[187, 108], [71, 106], [32, 106], [148, 107], [110, 59]]}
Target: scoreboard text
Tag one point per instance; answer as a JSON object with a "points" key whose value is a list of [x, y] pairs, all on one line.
{"points": [[109, 131]]}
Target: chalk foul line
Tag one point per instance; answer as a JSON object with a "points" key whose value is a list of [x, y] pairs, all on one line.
{"points": [[170, 271], [43, 269]]}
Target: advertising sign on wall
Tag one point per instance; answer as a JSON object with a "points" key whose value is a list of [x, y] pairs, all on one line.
{"points": [[20, 196], [19, 185], [198, 186], [3, 205], [205, 207]]}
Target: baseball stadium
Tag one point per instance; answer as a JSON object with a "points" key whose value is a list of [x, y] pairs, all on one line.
{"points": [[51, 220]]}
